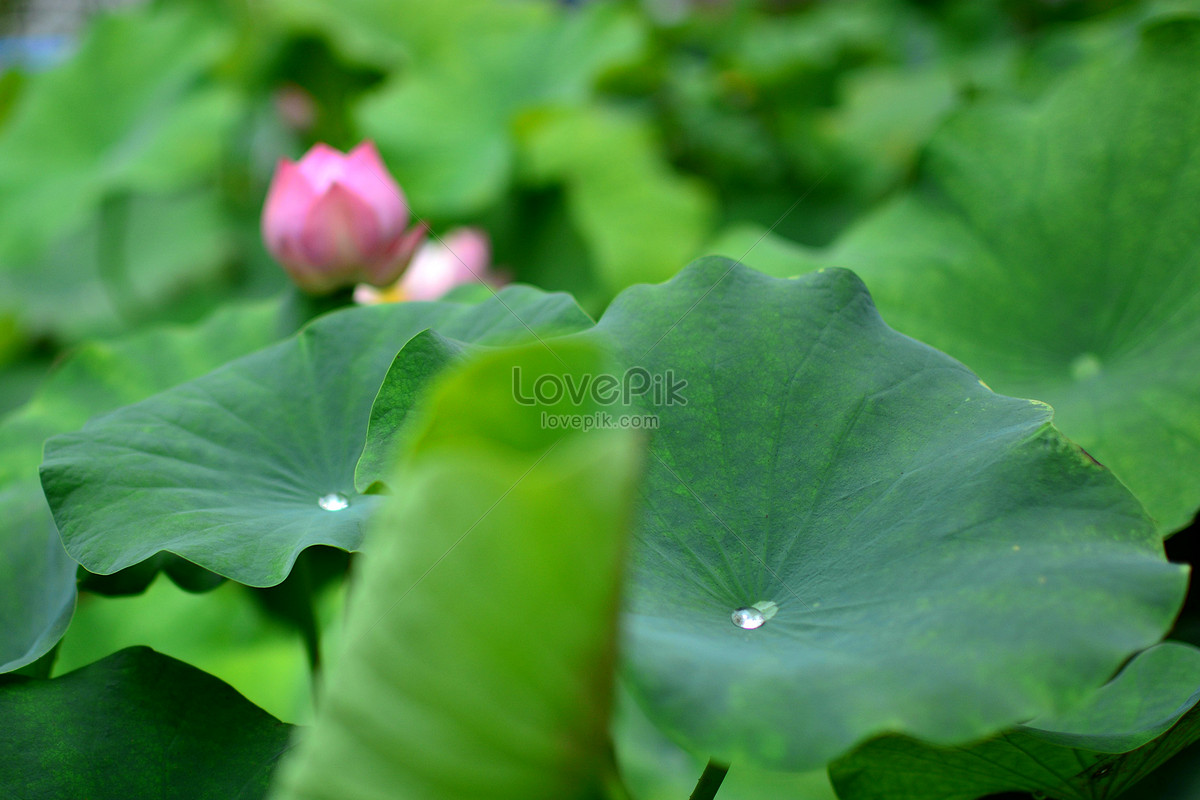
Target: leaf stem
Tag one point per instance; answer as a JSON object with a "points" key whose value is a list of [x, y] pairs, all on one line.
{"points": [[306, 616], [300, 308], [294, 601], [710, 781]]}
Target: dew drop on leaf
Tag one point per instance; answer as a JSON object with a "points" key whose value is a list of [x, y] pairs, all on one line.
{"points": [[755, 616], [334, 501], [749, 618]]}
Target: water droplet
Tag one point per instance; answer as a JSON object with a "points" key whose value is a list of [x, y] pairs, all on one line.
{"points": [[755, 616], [748, 618], [334, 501]]}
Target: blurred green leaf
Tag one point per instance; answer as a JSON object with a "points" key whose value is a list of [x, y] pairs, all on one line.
{"points": [[932, 549], [479, 652], [229, 471], [446, 133], [1096, 750], [388, 33], [137, 724], [641, 220], [775, 50], [884, 117], [21, 377], [1062, 48], [536, 237], [37, 584], [164, 246], [130, 111], [12, 83], [756, 246]]}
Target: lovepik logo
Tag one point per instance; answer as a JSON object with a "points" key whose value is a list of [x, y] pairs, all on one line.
{"points": [[606, 389]]}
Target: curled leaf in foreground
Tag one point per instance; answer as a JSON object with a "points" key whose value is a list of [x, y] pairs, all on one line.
{"points": [[478, 654]]}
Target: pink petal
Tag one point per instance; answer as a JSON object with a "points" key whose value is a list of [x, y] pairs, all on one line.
{"points": [[366, 156], [322, 165], [340, 232], [473, 249], [365, 173], [288, 202], [389, 266], [461, 257]]}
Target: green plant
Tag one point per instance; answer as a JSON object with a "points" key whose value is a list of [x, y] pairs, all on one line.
{"points": [[681, 523]]}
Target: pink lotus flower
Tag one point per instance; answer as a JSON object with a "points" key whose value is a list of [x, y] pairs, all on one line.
{"points": [[462, 256], [333, 220]]}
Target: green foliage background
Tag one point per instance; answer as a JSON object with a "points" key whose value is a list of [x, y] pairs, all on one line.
{"points": [[972, 160]]}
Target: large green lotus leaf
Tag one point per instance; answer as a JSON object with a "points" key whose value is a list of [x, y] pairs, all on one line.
{"points": [[448, 134], [478, 655], [616, 179], [129, 111], [137, 724], [930, 550], [1096, 750], [240, 470], [1053, 248], [37, 584]]}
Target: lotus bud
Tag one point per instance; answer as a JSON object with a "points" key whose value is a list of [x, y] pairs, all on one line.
{"points": [[333, 220]]}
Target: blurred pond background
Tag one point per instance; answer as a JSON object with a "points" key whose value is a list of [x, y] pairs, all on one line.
{"points": [[598, 143]]}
